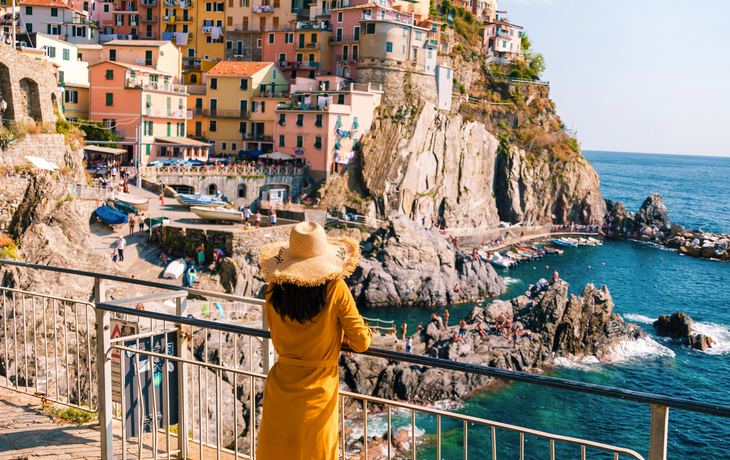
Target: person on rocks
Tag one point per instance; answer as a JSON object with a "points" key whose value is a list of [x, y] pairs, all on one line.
{"points": [[516, 330], [409, 344], [554, 278], [462, 328], [419, 328], [456, 338], [126, 187], [311, 313], [482, 332], [394, 333], [130, 219], [436, 319], [163, 258], [499, 323], [446, 318], [121, 244], [403, 329], [434, 353]]}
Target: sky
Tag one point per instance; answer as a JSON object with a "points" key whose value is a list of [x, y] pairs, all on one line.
{"points": [[648, 76]]}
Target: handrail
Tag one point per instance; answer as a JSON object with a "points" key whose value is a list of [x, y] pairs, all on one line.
{"points": [[553, 382]]}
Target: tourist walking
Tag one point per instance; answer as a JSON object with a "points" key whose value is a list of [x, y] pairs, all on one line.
{"points": [[246, 213], [121, 244], [140, 225], [258, 218], [130, 219], [272, 219], [309, 309]]}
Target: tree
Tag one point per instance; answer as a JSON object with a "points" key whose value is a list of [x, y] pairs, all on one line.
{"points": [[97, 131], [536, 62], [526, 43]]}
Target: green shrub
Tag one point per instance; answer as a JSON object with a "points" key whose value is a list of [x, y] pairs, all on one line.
{"points": [[72, 414], [573, 144]]}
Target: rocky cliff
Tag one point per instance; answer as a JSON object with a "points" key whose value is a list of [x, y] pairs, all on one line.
{"points": [[406, 265], [558, 325], [423, 162]]}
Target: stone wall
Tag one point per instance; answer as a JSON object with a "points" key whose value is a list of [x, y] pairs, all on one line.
{"points": [[29, 89], [235, 242], [229, 185], [12, 190], [250, 51], [401, 80], [51, 147]]}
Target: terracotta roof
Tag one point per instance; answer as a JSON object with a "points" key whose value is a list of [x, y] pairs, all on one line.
{"points": [[238, 68], [50, 3], [364, 6]]}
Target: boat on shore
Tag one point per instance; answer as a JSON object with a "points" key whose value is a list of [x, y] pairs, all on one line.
{"points": [[175, 269], [111, 216], [596, 242], [143, 204], [498, 260], [219, 213], [198, 200], [191, 274]]}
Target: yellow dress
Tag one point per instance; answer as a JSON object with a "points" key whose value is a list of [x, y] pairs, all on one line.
{"points": [[300, 417]]}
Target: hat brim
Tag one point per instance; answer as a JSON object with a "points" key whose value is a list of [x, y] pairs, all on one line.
{"points": [[339, 260]]}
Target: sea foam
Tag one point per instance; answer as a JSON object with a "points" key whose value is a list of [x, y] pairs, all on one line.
{"points": [[638, 349], [638, 318], [719, 333]]}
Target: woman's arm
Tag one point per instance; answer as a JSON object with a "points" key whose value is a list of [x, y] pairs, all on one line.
{"points": [[357, 332]]}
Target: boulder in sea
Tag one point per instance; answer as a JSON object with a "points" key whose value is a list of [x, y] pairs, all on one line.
{"points": [[653, 212], [679, 326]]}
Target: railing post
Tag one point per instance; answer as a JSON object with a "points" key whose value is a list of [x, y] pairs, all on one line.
{"points": [[267, 349], [103, 337], [659, 432], [181, 305]]}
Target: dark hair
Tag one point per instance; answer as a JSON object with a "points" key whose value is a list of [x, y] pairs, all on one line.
{"points": [[299, 303]]}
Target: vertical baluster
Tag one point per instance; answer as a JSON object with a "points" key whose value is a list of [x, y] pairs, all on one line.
{"points": [[552, 449], [365, 426], [25, 344], [466, 439], [438, 437], [235, 417], [88, 356], [200, 410], [55, 350], [390, 435], [219, 426], [153, 415], [140, 405], [122, 359], [5, 336], [35, 348], [582, 452], [45, 346], [65, 353], [166, 398], [207, 408], [342, 426], [413, 434], [78, 345], [15, 339], [522, 446], [494, 443]]}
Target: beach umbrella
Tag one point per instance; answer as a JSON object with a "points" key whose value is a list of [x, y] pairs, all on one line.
{"points": [[277, 156]]}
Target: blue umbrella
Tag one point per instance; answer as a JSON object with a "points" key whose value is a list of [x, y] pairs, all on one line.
{"points": [[254, 153]]}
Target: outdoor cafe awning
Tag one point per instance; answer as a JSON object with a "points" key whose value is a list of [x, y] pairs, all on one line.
{"points": [[104, 150], [184, 141]]}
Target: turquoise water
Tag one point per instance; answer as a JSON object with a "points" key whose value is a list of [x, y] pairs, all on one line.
{"points": [[645, 282]]}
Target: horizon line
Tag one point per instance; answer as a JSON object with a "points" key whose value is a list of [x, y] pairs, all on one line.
{"points": [[660, 153]]}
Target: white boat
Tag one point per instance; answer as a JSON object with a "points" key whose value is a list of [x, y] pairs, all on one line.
{"points": [[143, 204], [198, 200], [585, 242], [217, 213], [596, 242], [500, 261], [175, 269]]}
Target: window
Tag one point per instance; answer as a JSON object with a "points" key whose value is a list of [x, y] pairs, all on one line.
{"points": [[259, 107], [314, 38], [419, 35], [258, 43], [71, 97], [224, 146], [244, 84], [106, 8], [193, 78], [242, 127], [271, 38], [212, 126], [243, 105], [282, 119], [29, 11], [148, 128], [288, 38], [318, 122], [112, 55], [300, 57], [148, 57], [191, 52], [209, 7], [234, 146], [241, 190], [218, 7], [339, 16], [181, 129], [318, 142], [229, 45], [79, 57], [357, 33], [504, 44], [282, 57], [354, 52], [51, 52], [300, 119], [282, 140], [388, 47], [60, 76], [29, 28], [345, 52], [300, 141], [109, 98], [213, 83], [340, 99], [86, 6], [212, 189], [54, 12]]}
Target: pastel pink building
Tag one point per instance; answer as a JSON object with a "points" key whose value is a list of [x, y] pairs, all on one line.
{"points": [[278, 47], [324, 122], [128, 98], [502, 40]]}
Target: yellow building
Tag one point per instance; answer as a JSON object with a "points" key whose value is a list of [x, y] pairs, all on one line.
{"points": [[234, 109], [312, 48]]}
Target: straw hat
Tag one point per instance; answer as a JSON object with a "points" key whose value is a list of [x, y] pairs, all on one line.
{"points": [[309, 258]]}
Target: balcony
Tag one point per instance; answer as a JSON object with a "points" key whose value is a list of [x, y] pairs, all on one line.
{"points": [[345, 38], [184, 19], [275, 28], [219, 113], [257, 137], [148, 3], [389, 16], [180, 114], [131, 83], [503, 34], [263, 9], [146, 19], [319, 12], [271, 94], [346, 58], [209, 29], [306, 65], [308, 46]]}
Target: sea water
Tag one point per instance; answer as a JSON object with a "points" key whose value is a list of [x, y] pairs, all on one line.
{"points": [[645, 281]]}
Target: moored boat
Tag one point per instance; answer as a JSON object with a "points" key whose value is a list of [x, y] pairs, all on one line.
{"points": [[500, 261], [219, 213], [143, 204], [175, 269], [191, 274], [198, 200], [111, 216], [595, 241], [565, 242], [551, 250]]}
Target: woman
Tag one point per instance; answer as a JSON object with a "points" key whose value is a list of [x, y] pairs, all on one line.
{"points": [[310, 312]]}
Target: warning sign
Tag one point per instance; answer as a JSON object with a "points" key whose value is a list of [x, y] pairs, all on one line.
{"points": [[119, 328]]}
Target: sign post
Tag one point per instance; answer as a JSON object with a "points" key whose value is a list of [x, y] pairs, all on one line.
{"points": [[119, 328]]}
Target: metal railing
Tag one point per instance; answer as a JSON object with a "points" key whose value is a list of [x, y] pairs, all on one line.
{"points": [[344, 38], [220, 113], [180, 114], [200, 358], [210, 170]]}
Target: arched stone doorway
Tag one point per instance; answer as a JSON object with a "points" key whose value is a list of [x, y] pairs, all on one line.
{"points": [[30, 99], [212, 189], [6, 92]]}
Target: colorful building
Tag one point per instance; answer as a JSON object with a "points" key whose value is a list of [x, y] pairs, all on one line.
{"points": [[324, 120], [128, 98], [248, 20], [59, 19], [502, 40], [63, 60], [158, 54], [235, 110]]}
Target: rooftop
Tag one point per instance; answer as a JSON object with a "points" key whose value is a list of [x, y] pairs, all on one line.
{"points": [[137, 43], [50, 3], [237, 68], [138, 68]]}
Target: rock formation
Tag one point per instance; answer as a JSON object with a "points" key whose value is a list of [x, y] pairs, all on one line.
{"points": [[558, 324], [431, 162], [653, 213], [679, 326], [405, 265]]}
